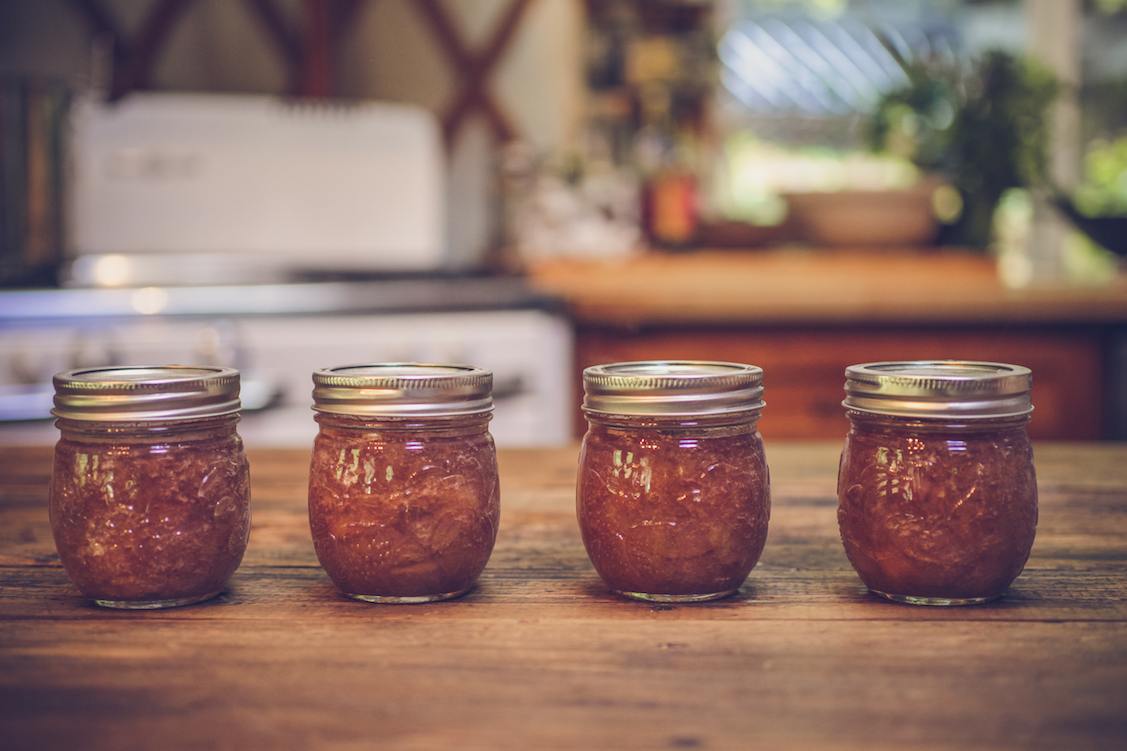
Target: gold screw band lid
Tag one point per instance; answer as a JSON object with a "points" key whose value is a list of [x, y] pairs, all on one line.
{"points": [[960, 389], [146, 393], [672, 388], [403, 390]]}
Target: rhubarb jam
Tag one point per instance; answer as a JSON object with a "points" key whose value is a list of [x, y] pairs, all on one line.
{"points": [[149, 500], [673, 492], [404, 501], [937, 491]]}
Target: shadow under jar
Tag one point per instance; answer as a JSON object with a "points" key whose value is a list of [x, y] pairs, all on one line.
{"points": [[150, 497], [404, 500], [936, 488], [673, 493]]}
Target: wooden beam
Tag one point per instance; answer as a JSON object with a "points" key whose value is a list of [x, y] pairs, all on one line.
{"points": [[316, 74], [343, 18], [147, 46], [473, 69], [103, 24], [285, 41], [475, 93]]}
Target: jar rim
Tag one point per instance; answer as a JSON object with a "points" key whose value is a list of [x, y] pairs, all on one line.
{"points": [[672, 388], [146, 393], [403, 389], [944, 389]]}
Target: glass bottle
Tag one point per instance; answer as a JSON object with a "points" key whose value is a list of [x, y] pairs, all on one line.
{"points": [[150, 496], [937, 491], [404, 500], [673, 494]]}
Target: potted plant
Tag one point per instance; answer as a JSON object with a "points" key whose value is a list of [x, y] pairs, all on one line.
{"points": [[983, 127]]}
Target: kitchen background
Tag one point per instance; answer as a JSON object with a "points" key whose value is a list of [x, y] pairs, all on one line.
{"points": [[538, 185]]}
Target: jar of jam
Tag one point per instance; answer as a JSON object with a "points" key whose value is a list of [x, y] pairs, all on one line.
{"points": [[404, 501], [149, 499], [673, 492], [936, 489]]}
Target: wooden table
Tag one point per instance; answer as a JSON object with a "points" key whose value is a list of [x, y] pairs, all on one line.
{"points": [[540, 656]]}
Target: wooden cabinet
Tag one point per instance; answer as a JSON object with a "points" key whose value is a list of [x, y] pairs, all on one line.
{"points": [[804, 367], [805, 315]]}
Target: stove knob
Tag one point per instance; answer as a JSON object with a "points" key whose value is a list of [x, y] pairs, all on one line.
{"points": [[220, 343], [93, 350], [27, 369]]}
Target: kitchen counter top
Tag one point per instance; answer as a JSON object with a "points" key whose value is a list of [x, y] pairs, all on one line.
{"points": [[824, 287], [541, 656]]}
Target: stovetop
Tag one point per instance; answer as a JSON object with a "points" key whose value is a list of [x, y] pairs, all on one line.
{"points": [[377, 294]]}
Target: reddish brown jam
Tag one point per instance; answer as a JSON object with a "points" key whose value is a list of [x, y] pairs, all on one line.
{"points": [[150, 515], [935, 512], [673, 510], [404, 509]]}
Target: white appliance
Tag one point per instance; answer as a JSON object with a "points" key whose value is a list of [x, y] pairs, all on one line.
{"points": [[183, 206], [203, 188], [529, 352]]}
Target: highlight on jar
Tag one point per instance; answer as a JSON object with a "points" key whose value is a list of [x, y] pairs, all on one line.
{"points": [[150, 496], [936, 488], [673, 493], [404, 500]]}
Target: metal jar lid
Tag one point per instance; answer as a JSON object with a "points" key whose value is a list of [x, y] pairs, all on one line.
{"points": [[672, 388], [960, 389], [146, 393], [403, 389]]}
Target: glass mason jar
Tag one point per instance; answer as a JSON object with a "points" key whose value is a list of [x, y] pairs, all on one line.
{"points": [[404, 500], [149, 498], [936, 489], [673, 492]]}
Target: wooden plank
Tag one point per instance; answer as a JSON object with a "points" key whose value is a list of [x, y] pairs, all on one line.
{"points": [[540, 656]]}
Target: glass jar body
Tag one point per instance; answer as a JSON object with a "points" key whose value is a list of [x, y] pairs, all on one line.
{"points": [[404, 510], [934, 512], [673, 509], [150, 515]]}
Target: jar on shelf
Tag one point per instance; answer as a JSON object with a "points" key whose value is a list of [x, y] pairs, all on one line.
{"points": [[936, 488], [673, 493], [149, 498], [404, 500]]}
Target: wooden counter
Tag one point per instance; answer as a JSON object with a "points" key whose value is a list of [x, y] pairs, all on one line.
{"points": [[541, 657], [830, 288], [803, 316]]}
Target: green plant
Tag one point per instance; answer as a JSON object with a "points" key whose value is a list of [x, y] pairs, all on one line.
{"points": [[1104, 190], [983, 126]]}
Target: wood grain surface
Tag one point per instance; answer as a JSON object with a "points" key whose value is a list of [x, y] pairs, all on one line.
{"points": [[539, 656], [828, 288]]}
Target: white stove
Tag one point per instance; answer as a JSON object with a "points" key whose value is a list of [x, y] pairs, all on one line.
{"points": [[519, 337], [189, 213]]}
